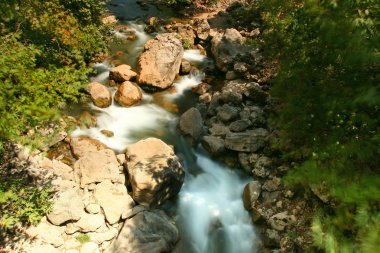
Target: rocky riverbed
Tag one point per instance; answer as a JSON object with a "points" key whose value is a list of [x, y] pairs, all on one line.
{"points": [[109, 198]]}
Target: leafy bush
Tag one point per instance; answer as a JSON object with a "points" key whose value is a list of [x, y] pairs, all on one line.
{"points": [[45, 50], [328, 114], [22, 203]]}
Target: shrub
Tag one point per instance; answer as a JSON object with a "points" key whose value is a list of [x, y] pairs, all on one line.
{"points": [[329, 101]]}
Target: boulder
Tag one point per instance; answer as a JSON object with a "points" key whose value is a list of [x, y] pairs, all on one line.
{"points": [[46, 248], [63, 170], [82, 145], [239, 125], [256, 93], [219, 130], [213, 145], [128, 94], [148, 231], [227, 113], [67, 207], [202, 29], [155, 173], [114, 200], [225, 47], [185, 67], [248, 141], [160, 61], [201, 89], [96, 167], [48, 233], [250, 194], [122, 73], [100, 95], [90, 222], [191, 124]]}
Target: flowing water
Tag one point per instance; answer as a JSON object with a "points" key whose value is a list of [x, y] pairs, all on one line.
{"points": [[208, 210]]}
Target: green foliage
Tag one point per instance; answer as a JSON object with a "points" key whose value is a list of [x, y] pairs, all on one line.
{"points": [[22, 203], [46, 46], [45, 50], [83, 238], [329, 105]]}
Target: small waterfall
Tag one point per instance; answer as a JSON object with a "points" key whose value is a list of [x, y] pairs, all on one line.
{"points": [[210, 212]]}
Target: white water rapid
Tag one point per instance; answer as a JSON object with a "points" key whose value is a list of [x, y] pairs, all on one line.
{"points": [[209, 210]]}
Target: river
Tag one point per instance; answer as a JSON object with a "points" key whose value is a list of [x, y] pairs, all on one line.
{"points": [[208, 210]]}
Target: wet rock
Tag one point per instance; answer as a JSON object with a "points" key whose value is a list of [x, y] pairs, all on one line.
{"points": [[214, 104], [67, 207], [205, 98], [160, 61], [225, 47], [251, 194], [87, 120], [202, 88], [227, 113], [82, 145], [128, 94], [191, 124], [202, 29], [213, 145], [122, 73], [185, 67], [249, 141], [96, 167], [147, 231], [100, 95], [256, 93], [107, 133], [187, 35], [281, 220], [239, 125], [114, 200], [154, 172]]}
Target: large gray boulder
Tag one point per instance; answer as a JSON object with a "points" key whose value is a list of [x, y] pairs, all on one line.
{"points": [[248, 141], [160, 61], [154, 171], [225, 48], [146, 232], [191, 124]]}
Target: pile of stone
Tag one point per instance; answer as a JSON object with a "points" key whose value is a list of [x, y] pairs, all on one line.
{"points": [[93, 210]]}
